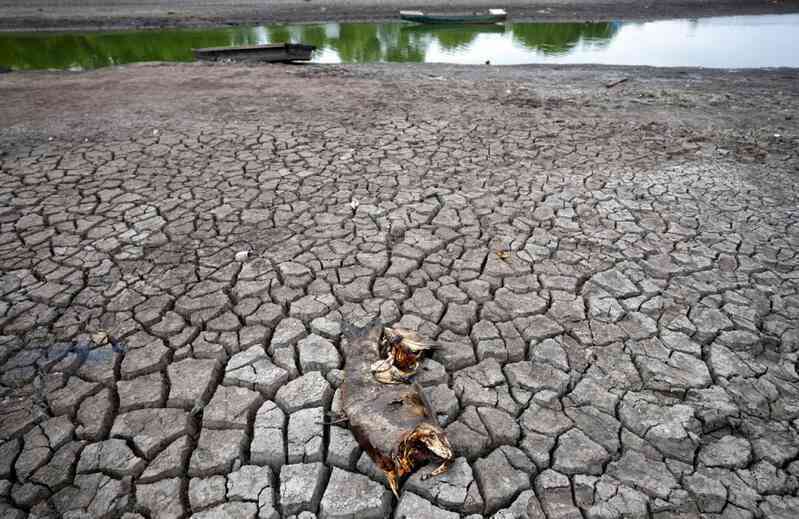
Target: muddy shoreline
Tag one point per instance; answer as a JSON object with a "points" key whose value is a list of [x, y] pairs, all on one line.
{"points": [[139, 97], [82, 15]]}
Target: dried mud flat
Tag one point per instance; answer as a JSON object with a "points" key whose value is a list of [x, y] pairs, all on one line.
{"points": [[611, 274]]}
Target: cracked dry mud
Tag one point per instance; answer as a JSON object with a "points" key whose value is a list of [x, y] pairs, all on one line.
{"points": [[630, 352]]}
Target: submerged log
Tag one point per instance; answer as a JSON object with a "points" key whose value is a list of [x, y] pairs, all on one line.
{"points": [[392, 422]]}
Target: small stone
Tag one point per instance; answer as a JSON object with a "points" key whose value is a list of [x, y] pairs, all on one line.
{"points": [[309, 390], [147, 359], [335, 377], [616, 283], [651, 477], [555, 492], [152, 429], [342, 450], [460, 318], [431, 373], [312, 306], [9, 512], [301, 487], [267, 444], [141, 392], [550, 352], [501, 427], [288, 332], [424, 304], [66, 400], [217, 451], [535, 377], [29, 494], [59, 470], [305, 436], [169, 462], [709, 323], [161, 498], [231, 510], [499, 479], [296, 274], [92, 495], [284, 359], [454, 351], [252, 369], [8, 454], [268, 314], [538, 327], [578, 454], [589, 391], [112, 457], [526, 506], [191, 381], [600, 427], [326, 327], [638, 325], [519, 305], [353, 496], [456, 489], [205, 492], [412, 506], [678, 372], [545, 420], [95, 416], [318, 354], [713, 407], [538, 447], [249, 483], [444, 403], [710, 494], [727, 452], [35, 453], [230, 408]]}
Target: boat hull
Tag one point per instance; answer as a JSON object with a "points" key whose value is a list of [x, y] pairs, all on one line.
{"points": [[280, 52], [431, 19]]}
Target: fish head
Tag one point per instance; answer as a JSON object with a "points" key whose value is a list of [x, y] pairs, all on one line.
{"points": [[435, 440]]}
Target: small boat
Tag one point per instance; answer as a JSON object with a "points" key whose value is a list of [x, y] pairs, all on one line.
{"points": [[274, 52], [490, 16]]}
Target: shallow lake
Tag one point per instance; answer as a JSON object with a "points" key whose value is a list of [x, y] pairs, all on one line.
{"points": [[721, 42]]}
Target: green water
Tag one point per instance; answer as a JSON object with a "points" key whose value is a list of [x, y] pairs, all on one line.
{"points": [[345, 42], [724, 42]]}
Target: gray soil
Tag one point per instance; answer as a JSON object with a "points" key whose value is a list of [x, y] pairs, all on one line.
{"points": [[610, 273], [54, 14]]}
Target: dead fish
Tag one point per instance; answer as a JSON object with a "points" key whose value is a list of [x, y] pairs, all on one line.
{"points": [[393, 423], [504, 255], [400, 351], [100, 337], [103, 337]]}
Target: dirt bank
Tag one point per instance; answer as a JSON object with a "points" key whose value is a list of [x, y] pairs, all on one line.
{"points": [[53, 14]]}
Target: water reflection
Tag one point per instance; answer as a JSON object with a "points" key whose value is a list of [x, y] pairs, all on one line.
{"points": [[560, 38], [98, 49], [454, 37], [346, 42], [721, 42]]}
